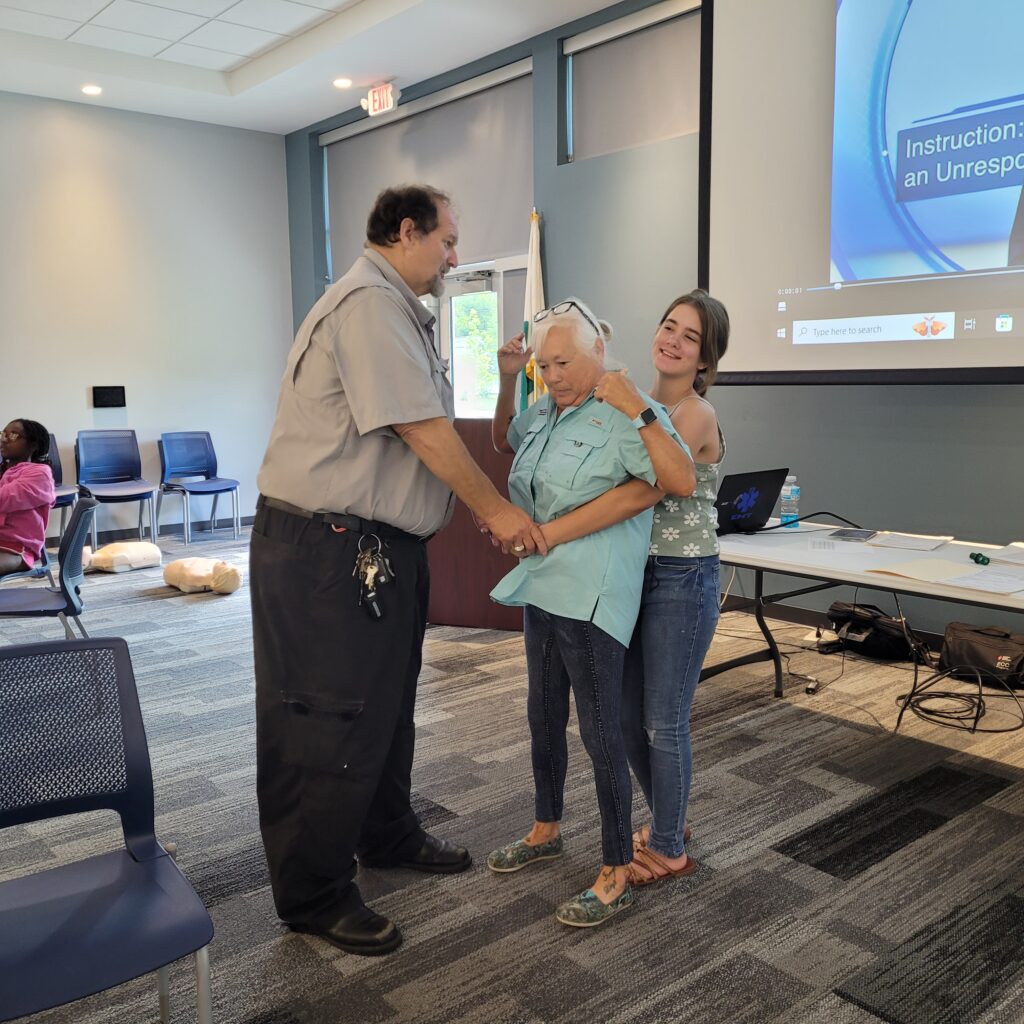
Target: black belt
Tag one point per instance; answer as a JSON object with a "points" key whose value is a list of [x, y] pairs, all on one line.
{"points": [[354, 523]]}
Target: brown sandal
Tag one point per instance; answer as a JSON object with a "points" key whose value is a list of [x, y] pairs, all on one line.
{"points": [[640, 840], [655, 868]]}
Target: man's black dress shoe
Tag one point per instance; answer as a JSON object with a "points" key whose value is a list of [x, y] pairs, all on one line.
{"points": [[435, 856], [360, 931]]}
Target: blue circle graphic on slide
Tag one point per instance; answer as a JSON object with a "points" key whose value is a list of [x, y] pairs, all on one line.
{"points": [[928, 139]]}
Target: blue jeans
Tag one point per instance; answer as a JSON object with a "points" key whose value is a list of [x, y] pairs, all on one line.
{"points": [[563, 653], [678, 615]]}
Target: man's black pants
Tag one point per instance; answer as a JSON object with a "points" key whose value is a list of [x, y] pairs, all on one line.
{"points": [[335, 696]]}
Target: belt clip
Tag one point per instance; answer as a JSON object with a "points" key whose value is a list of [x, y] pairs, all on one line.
{"points": [[338, 529]]}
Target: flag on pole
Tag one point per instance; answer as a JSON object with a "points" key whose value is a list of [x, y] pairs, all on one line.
{"points": [[531, 386]]}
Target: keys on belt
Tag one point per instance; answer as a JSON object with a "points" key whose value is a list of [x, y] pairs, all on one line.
{"points": [[372, 569]]}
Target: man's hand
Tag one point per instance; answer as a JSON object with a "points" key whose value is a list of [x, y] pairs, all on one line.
{"points": [[538, 537], [511, 528], [512, 357], [620, 393]]}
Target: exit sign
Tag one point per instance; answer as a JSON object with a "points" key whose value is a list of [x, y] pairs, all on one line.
{"points": [[380, 99]]}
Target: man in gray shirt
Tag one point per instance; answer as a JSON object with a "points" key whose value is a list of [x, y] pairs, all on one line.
{"points": [[359, 473]]}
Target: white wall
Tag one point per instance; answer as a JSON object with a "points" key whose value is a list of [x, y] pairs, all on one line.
{"points": [[148, 252]]}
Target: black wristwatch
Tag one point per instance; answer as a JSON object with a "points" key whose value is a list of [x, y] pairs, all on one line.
{"points": [[645, 418]]}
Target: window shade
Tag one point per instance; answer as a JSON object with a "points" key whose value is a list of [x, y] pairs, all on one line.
{"points": [[478, 149], [636, 89]]}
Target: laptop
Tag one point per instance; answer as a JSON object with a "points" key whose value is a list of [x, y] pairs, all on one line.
{"points": [[746, 500]]}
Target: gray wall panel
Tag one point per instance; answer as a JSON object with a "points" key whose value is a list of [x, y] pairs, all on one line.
{"points": [[149, 252], [620, 232]]}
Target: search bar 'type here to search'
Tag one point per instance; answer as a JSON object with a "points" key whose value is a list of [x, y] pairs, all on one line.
{"points": [[889, 327]]}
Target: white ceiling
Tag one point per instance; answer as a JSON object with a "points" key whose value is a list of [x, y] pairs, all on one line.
{"points": [[260, 64]]}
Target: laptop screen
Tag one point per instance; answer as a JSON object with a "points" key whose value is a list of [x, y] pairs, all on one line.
{"points": [[746, 500]]}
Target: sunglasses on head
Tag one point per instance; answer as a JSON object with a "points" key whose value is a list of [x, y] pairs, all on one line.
{"points": [[564, 307]]}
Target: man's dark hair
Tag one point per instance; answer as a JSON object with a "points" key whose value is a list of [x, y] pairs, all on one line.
{"points": [[393, 205]]}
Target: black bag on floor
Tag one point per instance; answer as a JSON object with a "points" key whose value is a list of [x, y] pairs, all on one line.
{"points": [[865, 629], [996, 654]]}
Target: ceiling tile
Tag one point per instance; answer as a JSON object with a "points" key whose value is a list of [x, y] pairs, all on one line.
{"points": [[147, 20], [112, 39], [36, 24], [331, 5], [197, 56], [74, 10], [274, 16], [204, 8], [233, 38]]}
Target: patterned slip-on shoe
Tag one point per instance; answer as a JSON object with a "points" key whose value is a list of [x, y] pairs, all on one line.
{"points": [[517, 855], [585, 910]]}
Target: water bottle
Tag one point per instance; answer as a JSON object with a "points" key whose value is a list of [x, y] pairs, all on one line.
{"points": [[790, 504]]}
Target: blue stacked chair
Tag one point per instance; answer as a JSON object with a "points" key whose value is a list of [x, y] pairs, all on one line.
{"points": [[188, 466], [63, 599], [73, 741], [109, 464]]}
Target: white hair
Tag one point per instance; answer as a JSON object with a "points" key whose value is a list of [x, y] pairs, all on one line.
{"points": [[582, 321]]}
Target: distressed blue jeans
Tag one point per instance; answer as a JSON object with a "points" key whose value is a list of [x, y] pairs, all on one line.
{"points": [[564, 654], [678, 615]]}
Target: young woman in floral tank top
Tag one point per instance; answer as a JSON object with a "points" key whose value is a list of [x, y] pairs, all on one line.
{"points": [[680, 603], [679, 608]]}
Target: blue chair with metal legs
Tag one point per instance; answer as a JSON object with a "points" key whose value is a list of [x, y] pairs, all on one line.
{"points": [[188, 466], [109, 464], [73, 741], [64, 599], [67, 494]]}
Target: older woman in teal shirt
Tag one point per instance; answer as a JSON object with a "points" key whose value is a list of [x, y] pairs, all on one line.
{"points": [[581, 599]]}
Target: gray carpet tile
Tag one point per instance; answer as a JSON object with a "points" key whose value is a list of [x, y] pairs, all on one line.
{"points": [[847, 875], [978, 944], [740, 988], [849, 843]]}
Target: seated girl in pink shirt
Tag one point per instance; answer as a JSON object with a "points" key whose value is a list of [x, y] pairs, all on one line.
{"points": [[26, 494]]}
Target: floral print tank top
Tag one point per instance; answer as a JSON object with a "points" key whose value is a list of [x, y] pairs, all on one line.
{"points": [[685, 527]]}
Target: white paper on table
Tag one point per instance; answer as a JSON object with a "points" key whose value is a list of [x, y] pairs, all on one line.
{"points": [[931, 570], [909, 541], [992, 579], [1012, 554]]}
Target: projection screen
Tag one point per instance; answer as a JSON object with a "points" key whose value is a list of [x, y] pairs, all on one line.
{"points": [[866, 210]]}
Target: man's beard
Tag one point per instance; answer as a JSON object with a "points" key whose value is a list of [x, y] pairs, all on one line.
{"points": [[437, 286]]}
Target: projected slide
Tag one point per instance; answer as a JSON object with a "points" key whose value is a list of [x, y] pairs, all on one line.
{"points": [[867, 168], [928, 139]]}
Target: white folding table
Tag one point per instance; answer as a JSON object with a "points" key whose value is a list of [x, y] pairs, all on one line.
{"points": [[807, 552]]}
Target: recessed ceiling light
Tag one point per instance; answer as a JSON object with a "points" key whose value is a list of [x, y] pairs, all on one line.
{"points": [[343, 83], [92, 90]]}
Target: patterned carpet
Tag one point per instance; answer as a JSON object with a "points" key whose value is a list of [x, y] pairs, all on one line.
{"points": [[847, 875]]}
